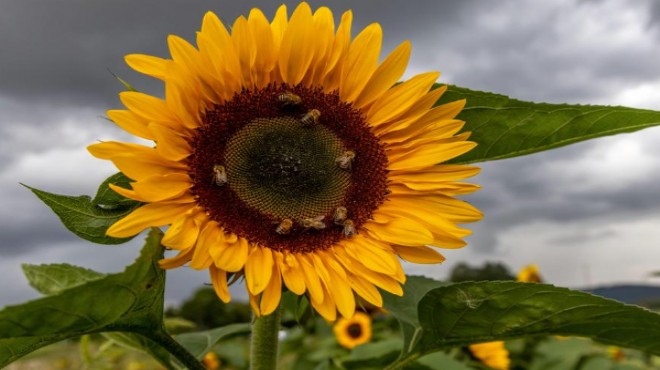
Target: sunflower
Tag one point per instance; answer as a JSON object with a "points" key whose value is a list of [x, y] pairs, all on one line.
{"points": [[492, 354], [353, 331], [286, 154], [530, 274]]}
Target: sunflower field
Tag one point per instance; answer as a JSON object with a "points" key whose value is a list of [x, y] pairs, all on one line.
{"points": [[286, 157]]}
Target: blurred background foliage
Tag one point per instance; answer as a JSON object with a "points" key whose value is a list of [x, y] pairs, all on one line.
{"points": [[308, 341]]}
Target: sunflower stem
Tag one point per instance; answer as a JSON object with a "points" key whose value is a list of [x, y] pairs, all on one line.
{"points": [[264, 343]]}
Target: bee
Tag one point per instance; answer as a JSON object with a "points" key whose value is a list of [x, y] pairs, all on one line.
{"points": [[311, 118], [340, 215], [289, 98], [349, 228], [345, 161], [219, 175], [284, 227], [313, 223]]}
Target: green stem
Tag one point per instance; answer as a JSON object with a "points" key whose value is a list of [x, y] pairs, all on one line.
{"points": [[264, 342], [175, 349]]}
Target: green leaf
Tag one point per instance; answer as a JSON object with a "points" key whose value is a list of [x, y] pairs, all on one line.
{"points": [[404, 308], [199, 343], [505, 127], [131, 301], [54, 278], [472, 312], [108, 199], [87, 218], [438, 361], [375, 355]]}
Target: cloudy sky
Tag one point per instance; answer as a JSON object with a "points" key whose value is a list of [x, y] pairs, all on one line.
{"points": [[588, 214]]}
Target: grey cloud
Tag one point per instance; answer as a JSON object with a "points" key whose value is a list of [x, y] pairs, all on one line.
{"points": [[526, 190], [61, 53]]}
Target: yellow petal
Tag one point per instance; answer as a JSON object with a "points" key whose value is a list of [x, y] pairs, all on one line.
{"points": [[219, 280], [150, 215], [325, 308], [183, 52], [371, 255], [366, 290], [254, 303], [419, 254], [230, 256], [400, 231], [264, 43], [177, 261], [432, 218], [292, 273], [388, 73], [312, 280], [357, 268], [361, 62], [433, 188], [438, 130], [216, 41], [169, 144], [270, 298], [324, 29], [184, 102], [147, 106], [400, 98], [428, 155], [110, 149], [131, 123], [336, 58], [244, 43], [258, 269], [337, 286], [417, 111], [208, 238], [278, 25], [148, 65], [183, 232], [159, 188], [445, 172], [450, 208], [296, 50]]}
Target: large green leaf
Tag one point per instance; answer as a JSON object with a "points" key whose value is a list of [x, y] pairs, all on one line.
{"points": [[465, 313], [405, 308], [87, 218], [131, 301], [54, 278], [505, 127], [450, 315]]}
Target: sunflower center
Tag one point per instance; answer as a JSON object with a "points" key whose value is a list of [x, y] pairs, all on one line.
{"points": [[286, 170], [288, 167], [354, 330]]}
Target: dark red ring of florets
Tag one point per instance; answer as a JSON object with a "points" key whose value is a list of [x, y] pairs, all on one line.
{"points": [[368, 185]]}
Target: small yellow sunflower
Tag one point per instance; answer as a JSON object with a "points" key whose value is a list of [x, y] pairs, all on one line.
{"points": [[211, 361], [285, 153], [530, 274], [354, 331], [492, 354]]}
